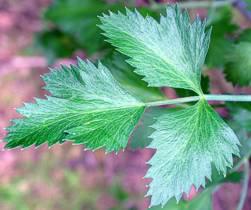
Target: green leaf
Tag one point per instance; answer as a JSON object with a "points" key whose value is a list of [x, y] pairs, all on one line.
{"points": [[188, 142], [245, 36], [54, 44], [202, 202], [218, 179], [78, 19], [87, 107], [132, 82], [217, 52], [169, 53], [204, 86], [241, 124], [247, 4], [238, 66], [220, 20], [141, 135]]}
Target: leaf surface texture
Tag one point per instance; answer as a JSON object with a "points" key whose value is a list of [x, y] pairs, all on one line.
{"points": [[87, 106]]}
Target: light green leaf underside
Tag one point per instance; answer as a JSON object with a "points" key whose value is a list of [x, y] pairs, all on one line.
{"points": [[187, 142], [88, 107], [169, 53]]}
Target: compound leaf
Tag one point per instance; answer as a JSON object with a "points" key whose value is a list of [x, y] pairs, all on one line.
{"points": [[87, 106], [169, 53], [187, 142]]}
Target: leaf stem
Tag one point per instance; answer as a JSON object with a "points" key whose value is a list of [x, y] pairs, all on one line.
{"points": [[240, 98], [174, 101], [244, 189], [234, 98], [194, 4]]}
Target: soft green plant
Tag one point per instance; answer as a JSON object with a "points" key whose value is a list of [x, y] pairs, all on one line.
{"points": [[88, 105]]}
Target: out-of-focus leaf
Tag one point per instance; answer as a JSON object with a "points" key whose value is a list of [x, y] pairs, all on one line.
{"points": [[202, 202], [55, 44], [78, 18], [231, 177], [131, 81], [204, 87], [241, 124], [216, 53], [238, 64], [141, 135], [245, 36], [247, 4], [221, 21]]}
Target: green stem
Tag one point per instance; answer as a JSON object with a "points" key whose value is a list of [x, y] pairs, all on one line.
{"points": [[244, 189], [240, 98], [235, 98], [194, 4], [174, 101]]}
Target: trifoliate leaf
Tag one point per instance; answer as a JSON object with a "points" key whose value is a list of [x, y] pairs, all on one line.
{"points": [[88, 107], [169, 53], [187, 143], [238, 66], [202, 202], [132, 82]]}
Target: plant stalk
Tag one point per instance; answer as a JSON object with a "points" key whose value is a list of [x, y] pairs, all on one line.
{"points": [[234, 98], [193, 4], [244, 189]]}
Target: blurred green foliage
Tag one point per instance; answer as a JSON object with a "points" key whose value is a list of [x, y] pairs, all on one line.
{"points": [[77, 20], [221, 21]]}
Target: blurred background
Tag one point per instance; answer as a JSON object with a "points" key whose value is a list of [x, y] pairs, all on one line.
{"points": [[35, 34]]}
